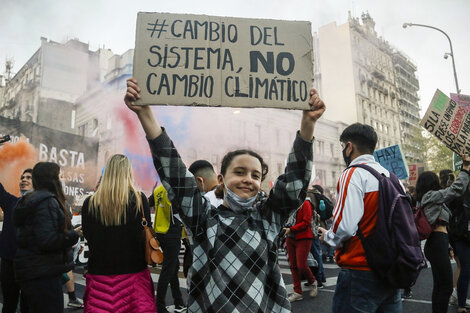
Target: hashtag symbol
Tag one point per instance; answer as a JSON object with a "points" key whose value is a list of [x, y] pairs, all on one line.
{"points": [[156, 27]]}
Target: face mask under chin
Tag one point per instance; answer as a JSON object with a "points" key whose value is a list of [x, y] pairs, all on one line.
{"points": [[237, 203]]}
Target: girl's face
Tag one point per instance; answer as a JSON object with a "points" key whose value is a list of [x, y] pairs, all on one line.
{"points": [[243, 176]]}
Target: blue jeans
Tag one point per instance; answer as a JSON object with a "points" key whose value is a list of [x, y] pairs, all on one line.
{"points": [[315, 249], [363, 292]]}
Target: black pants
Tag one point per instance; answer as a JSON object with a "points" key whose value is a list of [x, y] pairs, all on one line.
{"points": [[437, 252], [463, 252], [11, 290], [169, 274], [44, 295]]}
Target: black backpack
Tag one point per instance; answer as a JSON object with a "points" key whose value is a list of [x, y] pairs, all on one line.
{"points": [[328, 212], [393, 249]]}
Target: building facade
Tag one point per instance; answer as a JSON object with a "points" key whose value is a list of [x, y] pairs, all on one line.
{"points": [[46, 88], [364, 79], [408, 86]]}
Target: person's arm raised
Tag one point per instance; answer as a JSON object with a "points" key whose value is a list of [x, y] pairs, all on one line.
{"points": [[144, 113], [310, 117]]}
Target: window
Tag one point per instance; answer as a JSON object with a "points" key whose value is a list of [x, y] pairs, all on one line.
{"points": [[321, 147], [72, 119], [94, 128], [82, 130], [258, 131], [332, 149]]}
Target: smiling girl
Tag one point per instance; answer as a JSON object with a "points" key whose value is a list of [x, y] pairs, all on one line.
{"points": [[235, 266]]}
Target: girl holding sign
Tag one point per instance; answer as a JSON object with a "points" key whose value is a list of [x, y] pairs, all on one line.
{"points": [[235, 265]]}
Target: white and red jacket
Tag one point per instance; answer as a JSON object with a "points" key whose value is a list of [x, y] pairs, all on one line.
{"points": [[356, 205]]}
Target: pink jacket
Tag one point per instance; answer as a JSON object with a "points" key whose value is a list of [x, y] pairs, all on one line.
{"points": [[126, 293]]}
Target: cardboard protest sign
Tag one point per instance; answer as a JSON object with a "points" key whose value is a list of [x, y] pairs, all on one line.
{"points": [[392, 159], [415, 170], [185, 59], [449, 122], [462, 100]]}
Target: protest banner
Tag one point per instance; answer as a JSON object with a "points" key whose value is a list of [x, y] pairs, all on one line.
{"points": [[462, 100], [393, 160], [449, 122], [200, 60], [76, 155], [415, 170]]}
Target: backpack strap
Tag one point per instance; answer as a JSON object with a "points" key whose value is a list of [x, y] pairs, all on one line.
{"points": [[379, 177], [371, 170]]}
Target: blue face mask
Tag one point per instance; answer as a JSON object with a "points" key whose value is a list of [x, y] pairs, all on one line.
{"points": [[236, 203]]}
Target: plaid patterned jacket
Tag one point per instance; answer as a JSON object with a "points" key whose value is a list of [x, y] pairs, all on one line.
{"points": [[235, 267]]}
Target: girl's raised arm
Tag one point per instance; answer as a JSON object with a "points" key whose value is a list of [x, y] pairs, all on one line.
{"points": [[179, 183], [144, 113], [310, 117]]}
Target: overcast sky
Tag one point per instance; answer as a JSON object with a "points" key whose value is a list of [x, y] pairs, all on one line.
{"points": [[112, 23]]}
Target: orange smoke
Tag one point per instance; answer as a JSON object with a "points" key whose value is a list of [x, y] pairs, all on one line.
{"points": [[14, 159]]}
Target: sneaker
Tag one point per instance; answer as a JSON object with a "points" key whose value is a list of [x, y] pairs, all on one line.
{"points": [[453, 298], [407, 295], [323, 280], [295, 297], [314, 289], [77, 303], [180, 308]]}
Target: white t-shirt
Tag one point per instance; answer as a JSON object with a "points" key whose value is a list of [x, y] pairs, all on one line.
{"points": [[213, 199]]}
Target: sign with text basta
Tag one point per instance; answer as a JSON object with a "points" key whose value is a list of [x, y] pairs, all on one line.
{"points": [[201, 60], [449, 121]]}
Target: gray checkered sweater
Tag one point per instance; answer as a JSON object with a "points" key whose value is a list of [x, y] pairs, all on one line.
{"points": [[235, 267]]}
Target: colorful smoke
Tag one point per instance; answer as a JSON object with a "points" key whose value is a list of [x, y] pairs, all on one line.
{"points": [[14, 159]]}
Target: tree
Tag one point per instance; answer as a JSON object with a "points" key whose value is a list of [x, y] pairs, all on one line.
{"points": [[436, 155]]}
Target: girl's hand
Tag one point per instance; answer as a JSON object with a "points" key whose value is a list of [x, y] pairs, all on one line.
{"points": [[151, 127], [309, 117], [132, 95], [317, 106]]}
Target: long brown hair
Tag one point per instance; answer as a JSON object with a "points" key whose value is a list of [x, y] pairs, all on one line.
{"points": [[46, 177], [109, 203]]}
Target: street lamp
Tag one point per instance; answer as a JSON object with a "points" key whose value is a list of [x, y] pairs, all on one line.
{"points": [[446, 55]]}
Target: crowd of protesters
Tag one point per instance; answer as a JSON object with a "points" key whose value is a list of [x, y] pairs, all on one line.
{"points": [[231, 228]]}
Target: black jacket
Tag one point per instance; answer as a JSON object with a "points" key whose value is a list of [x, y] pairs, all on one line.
{"points": [[44, 248]]}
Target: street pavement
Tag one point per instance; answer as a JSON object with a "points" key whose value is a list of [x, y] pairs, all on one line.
{"points": [[420, 302]]}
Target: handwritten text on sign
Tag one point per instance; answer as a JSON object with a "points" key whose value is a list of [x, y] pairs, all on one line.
{"points": [[183, 59], [449, 122], [393, 160]]}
